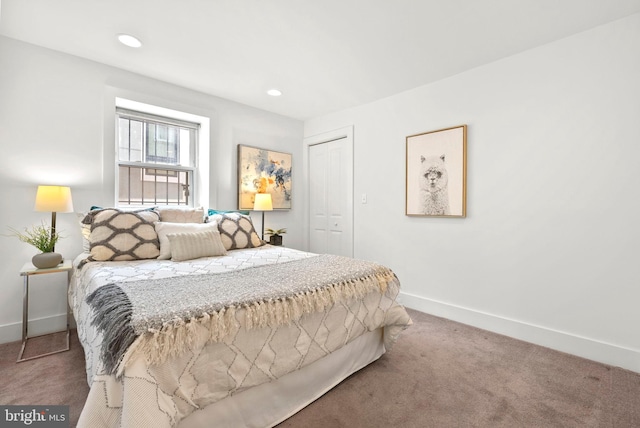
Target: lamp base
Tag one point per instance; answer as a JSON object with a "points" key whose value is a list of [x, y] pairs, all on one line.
{"points": [[46, 260]]}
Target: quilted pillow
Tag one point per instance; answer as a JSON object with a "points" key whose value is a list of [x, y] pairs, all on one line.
{"points": [[193, 245], [122, 235], [163, 229], [181, 214], [236, 231]]}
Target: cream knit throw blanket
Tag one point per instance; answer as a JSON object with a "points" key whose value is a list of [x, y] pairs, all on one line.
{"points": [[159, 318]]}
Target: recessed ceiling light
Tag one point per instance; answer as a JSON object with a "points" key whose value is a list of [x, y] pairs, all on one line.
{"points": [[274, 92], [129, 40]]}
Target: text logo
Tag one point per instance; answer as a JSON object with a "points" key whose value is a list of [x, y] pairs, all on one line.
{"points": [[34, 416]]}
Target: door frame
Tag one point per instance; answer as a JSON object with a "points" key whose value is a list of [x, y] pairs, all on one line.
{"points": [[326, 137]]}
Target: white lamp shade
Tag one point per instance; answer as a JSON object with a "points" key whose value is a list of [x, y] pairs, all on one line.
{"points": [[54, 199], [263, 202]]}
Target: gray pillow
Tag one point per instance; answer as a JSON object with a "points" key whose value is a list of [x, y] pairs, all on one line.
{"points": [[123, 235], [236, 231]]}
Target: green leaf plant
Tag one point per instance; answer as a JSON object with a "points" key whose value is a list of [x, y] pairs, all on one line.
{"points": [[40, 237], [275, 232]]}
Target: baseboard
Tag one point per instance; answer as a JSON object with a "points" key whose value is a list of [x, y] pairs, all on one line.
{"points": [[584, 347], [38, 326]]}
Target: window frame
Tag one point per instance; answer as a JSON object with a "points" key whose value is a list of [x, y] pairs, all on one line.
{"points": [[192, 169]]}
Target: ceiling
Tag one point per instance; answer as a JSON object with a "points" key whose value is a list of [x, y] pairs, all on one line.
{"points": [[324, 55]]}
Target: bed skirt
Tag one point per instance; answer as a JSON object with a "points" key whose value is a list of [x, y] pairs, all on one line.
{"points": [[268, 404]]}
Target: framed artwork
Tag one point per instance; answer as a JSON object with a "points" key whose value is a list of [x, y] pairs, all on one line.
{"points": [[263, 171], [437, 173]]}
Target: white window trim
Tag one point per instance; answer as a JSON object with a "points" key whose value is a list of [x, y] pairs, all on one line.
{"points": [[200, 189]]}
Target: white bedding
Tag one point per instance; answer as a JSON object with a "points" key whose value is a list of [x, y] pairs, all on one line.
{"points": [[162, 395], [270, 403]]}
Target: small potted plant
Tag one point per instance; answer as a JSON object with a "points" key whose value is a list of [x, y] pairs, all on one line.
{"points": [[44, 239], [275, 237]]}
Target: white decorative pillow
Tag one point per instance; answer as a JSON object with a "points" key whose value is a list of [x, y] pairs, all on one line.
{"points": [[181, 214], [85, 230], [164, 228], [236, 231], [122, 235], [193, 245]]}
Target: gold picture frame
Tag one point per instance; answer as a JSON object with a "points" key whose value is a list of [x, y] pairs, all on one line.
{"points": [[436, 173], [263, 171]]}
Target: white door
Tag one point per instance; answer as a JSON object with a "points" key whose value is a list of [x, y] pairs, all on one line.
{"points": [[330, 198]]}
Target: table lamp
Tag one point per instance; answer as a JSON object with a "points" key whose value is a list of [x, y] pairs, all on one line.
{"points": [[263, 203], [54, 199]]}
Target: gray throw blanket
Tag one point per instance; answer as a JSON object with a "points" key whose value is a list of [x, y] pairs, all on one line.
{"points": [[156, 317]]}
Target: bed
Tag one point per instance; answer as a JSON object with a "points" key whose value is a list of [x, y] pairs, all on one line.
{"points": [[245, 335]]}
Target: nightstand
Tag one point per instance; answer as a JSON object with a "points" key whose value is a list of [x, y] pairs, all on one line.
{"points": [[27, 271]]}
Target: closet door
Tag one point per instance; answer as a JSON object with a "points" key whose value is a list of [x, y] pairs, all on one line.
{"points": [[330, 198]]}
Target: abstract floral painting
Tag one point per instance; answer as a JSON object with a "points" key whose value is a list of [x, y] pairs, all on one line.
{"points": [[263, 171]]}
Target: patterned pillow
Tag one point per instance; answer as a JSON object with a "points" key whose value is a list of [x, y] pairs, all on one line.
{"points": [[193, 245], [181, 214], [85, 229], [163, 229], [236, 231], [122, 235]]}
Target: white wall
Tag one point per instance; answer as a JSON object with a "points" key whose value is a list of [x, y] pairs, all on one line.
{"points": [[549, 250], [57, 126]]}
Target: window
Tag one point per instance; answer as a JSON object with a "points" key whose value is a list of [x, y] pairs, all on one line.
{"points": [[156, 159]]}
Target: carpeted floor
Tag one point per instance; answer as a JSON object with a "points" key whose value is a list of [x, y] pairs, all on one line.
{"points": [[439, 374], [57, 379], [445, 374]]}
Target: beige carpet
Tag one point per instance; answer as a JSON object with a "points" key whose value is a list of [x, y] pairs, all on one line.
{"points": [[57, 379], [439, 374], [444, 374]]}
